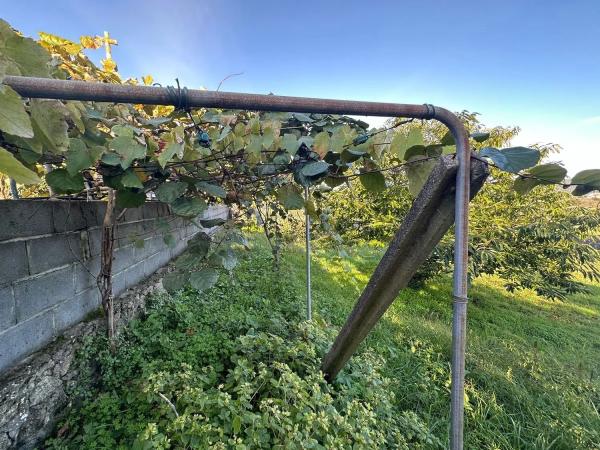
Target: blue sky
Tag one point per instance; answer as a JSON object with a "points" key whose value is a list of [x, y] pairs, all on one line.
{"points": [[529, 63]]}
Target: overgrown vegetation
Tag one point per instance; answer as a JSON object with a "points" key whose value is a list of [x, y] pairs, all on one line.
{"points": [[240, 367]]}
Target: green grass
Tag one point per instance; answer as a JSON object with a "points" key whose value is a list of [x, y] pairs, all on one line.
{"points": [[533, 365]]}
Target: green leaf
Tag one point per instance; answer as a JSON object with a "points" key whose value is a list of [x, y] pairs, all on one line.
{"points": [[373, 181], [448, 139], [418, 173], [480, 136], [130, 199], [289, 143], [12, 167], [13, 117], [212, 189], [321, 143], [49, 124], [350, 155], [547, 173], [31, 59], [209, 223], [303, 118], [80, 157], [130, 180], [155, 121], [590, 177], [290, 197], [188, 207], [204, 279], [175, 281], [112, 159], [167, 154], [128, 148], [169, 192], [62, 182], [513, 159], [400, 143], [314, 169], [236, 424]]}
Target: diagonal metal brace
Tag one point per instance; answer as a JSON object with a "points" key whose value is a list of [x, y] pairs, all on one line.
{"points": [[430, 217]]}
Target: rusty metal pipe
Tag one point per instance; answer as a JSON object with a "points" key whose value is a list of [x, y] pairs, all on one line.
{"points": [[106, 92]]}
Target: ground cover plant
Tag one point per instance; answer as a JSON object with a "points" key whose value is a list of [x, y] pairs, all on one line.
{"points": [[237, 367]]}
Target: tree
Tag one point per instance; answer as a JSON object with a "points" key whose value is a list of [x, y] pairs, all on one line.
{"points": [[532, 235]]}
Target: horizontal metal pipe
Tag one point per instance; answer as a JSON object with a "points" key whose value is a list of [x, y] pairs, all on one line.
{"points": [[154, 95]]}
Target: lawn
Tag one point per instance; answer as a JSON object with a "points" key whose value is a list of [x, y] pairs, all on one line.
{"points": [[533, 367]]}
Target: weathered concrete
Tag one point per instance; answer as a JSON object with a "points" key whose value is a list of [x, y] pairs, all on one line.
{"points": [[50, 257], [34, 394]]}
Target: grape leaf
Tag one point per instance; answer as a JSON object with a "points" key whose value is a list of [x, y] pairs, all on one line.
{"points": [[212, 189], [321, 143], [130, 199], [417, 173], [188, 207], [547, 173]]}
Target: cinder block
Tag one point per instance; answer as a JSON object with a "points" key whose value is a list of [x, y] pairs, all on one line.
{"points": [[132, 214], [35, 294], [7, 308], [68, 216], [135, 274], [124, 258], [95, 241], [93, 212], [72, 311], [54, 251], [19, 218], [150, 210], [119, 283], [14, 262], [127, 233], [86, 274], [25, 338]]}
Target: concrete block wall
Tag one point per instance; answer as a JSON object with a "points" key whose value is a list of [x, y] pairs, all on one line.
{"points": [[50, 257]]}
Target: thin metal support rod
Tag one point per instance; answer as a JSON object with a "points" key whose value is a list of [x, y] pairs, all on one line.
{"points": [[307, 236], [14, 191], [108, 92]]}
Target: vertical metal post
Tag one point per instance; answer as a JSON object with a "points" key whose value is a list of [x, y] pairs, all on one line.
{"points": [[13, 189], [307, 235], [460, 300]]}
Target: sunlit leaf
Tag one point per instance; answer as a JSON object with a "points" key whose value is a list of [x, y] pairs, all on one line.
{"points": [[321, 143], [542, 174], [513, 159], [13, 117], [418, 172], [11, 166]]}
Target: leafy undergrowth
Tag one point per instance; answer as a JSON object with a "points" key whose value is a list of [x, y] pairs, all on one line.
{"points": [[237, 367]]}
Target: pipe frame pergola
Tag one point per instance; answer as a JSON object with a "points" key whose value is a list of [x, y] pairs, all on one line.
{"points": [[105, 92]]}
